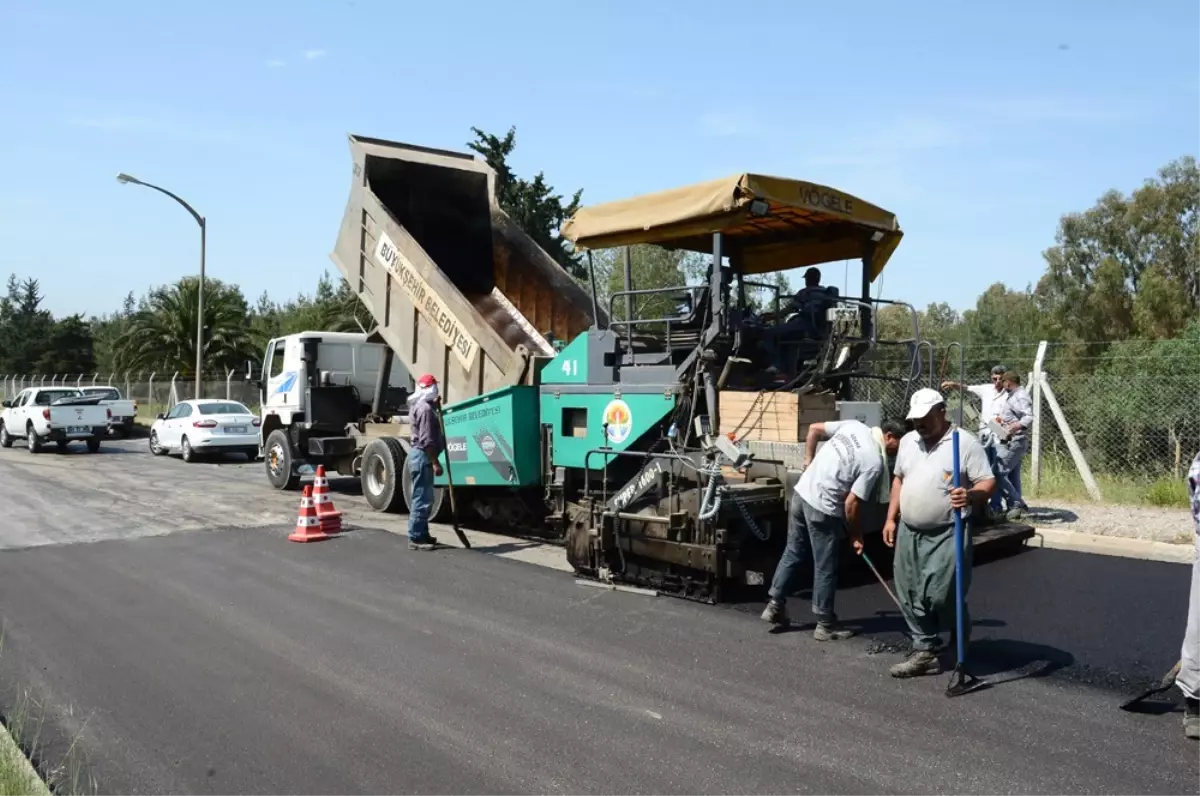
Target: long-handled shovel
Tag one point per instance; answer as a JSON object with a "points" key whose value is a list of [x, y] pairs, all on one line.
{"points": [[462, 537], [962, 681], [1164, 684]]}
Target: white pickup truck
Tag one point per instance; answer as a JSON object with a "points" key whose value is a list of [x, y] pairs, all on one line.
{"points": [[54, 414], [124, 412]]}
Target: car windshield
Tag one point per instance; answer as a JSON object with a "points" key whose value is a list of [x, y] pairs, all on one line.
{"points": [[105, 393], [224, 408]]}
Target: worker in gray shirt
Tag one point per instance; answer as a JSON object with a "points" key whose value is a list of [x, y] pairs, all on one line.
{"points": [[427, 445], [824, 510], [920, 525], [1014, 415]]}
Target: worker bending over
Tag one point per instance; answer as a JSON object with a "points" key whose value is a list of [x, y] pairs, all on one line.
{"points": [[849, 469], [1188, 678], [920, 525]]}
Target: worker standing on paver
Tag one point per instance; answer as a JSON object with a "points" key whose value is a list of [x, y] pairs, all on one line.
{"points": [[988, 394], [1188, 678], [427, 445], [848, 470], [920, 525], [1013, 410]]}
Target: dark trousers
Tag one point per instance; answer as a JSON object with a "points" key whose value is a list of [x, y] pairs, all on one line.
{"points": [[821, 535]]}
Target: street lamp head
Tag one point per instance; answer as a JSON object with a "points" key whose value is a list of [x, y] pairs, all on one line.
{"points": [[125, 178]]}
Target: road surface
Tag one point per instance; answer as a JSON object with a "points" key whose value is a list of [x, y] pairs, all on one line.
{"points": [[190, 648]]}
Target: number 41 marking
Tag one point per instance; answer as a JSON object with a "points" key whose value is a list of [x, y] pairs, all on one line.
{"points": [[570, 367]]}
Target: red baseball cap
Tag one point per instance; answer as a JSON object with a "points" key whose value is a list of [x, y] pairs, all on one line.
{"points": [[426, 380]]}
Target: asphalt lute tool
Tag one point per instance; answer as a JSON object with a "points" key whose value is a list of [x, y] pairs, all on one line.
{"points": [[961, 681], [1165, 684]]}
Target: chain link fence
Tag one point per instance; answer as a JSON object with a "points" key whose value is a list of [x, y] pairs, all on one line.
{"points": [[154, 393], [1134, 408]]}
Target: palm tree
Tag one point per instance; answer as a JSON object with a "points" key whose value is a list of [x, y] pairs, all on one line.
{"points": [[162, 333]]}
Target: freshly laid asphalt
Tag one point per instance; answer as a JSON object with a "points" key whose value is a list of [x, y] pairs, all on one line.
{"points": [[236, 662], [178, 654]]}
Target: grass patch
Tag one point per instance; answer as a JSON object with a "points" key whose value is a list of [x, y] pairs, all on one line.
{"points": [[17, 775], [1060, 481]]}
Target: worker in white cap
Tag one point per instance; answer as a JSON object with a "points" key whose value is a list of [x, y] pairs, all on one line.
{"points": [[920, 525], [427, 445]]}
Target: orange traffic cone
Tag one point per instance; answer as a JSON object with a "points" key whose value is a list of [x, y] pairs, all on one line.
{"points": [[308, 526], [330, 517]]}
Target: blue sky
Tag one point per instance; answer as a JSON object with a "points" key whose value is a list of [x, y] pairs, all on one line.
{"points": [[977, 126]]}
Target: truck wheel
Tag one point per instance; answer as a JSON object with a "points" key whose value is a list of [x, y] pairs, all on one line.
{"points": [[278, 455], [61, 445], [5, 438], [381, 472], [439, 511], [32, 443], [93, 445]]}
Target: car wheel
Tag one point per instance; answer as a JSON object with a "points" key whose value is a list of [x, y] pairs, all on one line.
{"points": [[155, 448], [6, 439], [251, 454], [280, 464], [185, 448], [93, 445], [32, 443], [61, 445]]}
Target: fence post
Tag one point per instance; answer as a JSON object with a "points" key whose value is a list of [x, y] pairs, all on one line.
{"points": [[42, 383], [228, 386], [172, 396], [94, 377], [1035, 379], [150, 393], [127, 389], [1081, 464]]}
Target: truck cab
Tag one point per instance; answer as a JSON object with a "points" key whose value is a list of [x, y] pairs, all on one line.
{"points": [[314, 384]]}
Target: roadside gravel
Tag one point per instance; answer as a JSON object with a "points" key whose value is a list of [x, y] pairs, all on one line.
{"points": [[1132, 522]]}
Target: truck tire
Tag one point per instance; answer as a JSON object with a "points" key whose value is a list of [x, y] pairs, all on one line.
{"points": [[439, 511], [93, 445], [6, 439], [279, 461], [32, 442], [381, 473]]}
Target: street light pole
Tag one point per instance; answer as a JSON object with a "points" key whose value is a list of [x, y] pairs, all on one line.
{"points": [[126, 179]]}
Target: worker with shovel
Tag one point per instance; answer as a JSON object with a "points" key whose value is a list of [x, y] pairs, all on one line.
{"points": [[921, 526], [1188, 679], [847, 471]]}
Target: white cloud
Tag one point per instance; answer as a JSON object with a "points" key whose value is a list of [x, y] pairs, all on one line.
{"points": [[312, 55], [276, 63], [158, 126]]}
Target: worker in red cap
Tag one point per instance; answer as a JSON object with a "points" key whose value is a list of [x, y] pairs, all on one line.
{"points": [[427, 445]]}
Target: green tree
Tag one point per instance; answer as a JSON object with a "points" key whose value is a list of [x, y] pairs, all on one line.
{"points": [[162, 333], [532, 204], [69, 348], [24, 327], [1130, 265]]}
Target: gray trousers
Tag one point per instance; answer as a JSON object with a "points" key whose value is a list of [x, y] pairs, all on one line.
{"points": [[810, 531], [924, 572], [1189, 668]]}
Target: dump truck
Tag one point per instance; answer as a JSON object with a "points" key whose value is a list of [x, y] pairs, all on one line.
{"points": [[659, 451]]}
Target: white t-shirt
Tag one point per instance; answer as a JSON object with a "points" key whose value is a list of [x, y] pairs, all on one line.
{"points": [[987, 397], [927, 476], [850, 461]]}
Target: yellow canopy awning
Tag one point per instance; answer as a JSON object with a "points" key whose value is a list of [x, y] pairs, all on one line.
{"points": [[769, 223]]}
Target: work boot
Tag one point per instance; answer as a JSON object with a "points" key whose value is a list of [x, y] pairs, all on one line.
{"points": [[1191, 717], [916, 664], [776, 614], [832, 631], [428, 543]]}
